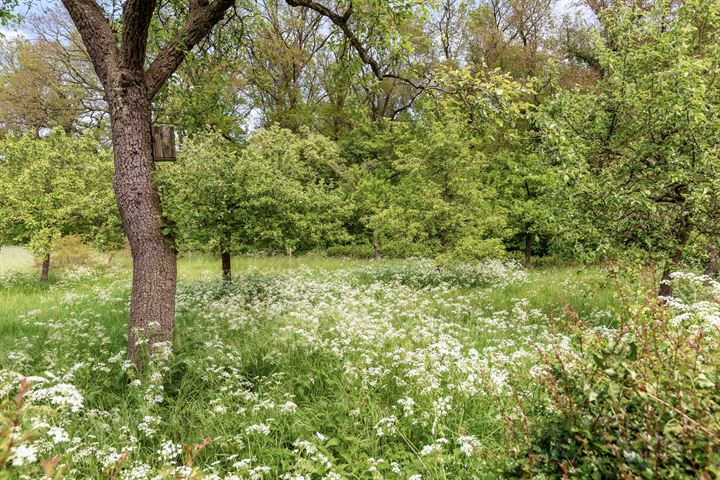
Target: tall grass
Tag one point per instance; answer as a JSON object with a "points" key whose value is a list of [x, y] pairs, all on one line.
{"points": [[302, 368]]}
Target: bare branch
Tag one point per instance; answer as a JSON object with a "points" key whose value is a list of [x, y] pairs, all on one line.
{"points": [[342, 22]]}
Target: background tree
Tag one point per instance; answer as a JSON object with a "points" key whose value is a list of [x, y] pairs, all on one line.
{"points": [[290, 185], [201, 199], [34, 93], [640, 150], [53, 187]]}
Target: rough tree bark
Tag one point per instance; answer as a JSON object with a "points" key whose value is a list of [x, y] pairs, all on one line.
{"points": [[45, 270], [129, 90]]}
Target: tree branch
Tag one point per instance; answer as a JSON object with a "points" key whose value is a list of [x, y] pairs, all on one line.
{"points": [[137, 15], [203, 17], [97, 36], [342, 22]]}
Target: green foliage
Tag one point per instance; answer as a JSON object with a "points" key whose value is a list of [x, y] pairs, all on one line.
{"points": [[424, 187], [278, 193], [639, 152], [291, 183], [7, 14], [641, 401], [56, 186]]}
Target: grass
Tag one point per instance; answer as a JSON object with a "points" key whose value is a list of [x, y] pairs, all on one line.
{"points": [[352, 376], [15, 259]]}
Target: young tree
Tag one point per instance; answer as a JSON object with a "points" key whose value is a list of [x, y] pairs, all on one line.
{"points": [[53, 187], [202, 199], [279, 193], [290, 187], [640, 150], [445, 165]]}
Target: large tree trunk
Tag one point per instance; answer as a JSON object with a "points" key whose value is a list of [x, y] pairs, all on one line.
{"points": [[45, 270], [226, 266], [152, 304]]}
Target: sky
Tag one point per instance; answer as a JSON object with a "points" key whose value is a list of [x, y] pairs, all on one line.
{"points": [[37, 6]]}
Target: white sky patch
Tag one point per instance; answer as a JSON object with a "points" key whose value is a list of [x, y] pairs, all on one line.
{"points": [[11, 34]]}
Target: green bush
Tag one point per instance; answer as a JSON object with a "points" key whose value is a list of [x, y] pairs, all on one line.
{"points": [[639, 401], [71, 251], [362, 251]]}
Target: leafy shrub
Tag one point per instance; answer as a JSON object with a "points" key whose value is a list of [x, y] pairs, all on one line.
{"points": [[362, 251], [71, 251], [640, 401]]}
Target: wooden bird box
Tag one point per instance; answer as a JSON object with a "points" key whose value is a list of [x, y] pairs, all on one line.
{"points": [[163, 143]]}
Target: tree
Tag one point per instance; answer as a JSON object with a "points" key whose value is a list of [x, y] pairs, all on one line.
{"points": [[201, 197], [279, 193], [423, 187], [290, 186], [640, 151], [129, 90], [52, 187], [34, 95]]}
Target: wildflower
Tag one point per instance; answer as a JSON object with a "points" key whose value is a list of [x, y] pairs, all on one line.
{"points": [[288, 407], [407, 403], [58, 435], [468, 444], [169, 451], [260, 428], [148, 425], [24, 454]]}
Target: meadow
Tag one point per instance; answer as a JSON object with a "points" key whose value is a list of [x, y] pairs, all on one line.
{"points": [[328, 367], [300, 369]]}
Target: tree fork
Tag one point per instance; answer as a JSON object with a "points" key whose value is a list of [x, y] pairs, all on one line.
{"points": [[129, 91]]}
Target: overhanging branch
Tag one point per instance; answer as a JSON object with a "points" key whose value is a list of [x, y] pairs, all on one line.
{"points": [[203, 16]]}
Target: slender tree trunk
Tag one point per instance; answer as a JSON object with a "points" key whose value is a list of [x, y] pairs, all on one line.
{"points": [[45, 271], [666, 288], [226, 267], [712, 268], [528, 247], [443, 240], [376, 246], [152, 303]]}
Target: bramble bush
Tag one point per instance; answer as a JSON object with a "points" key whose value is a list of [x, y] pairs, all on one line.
{"points": [[639, 401]]}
